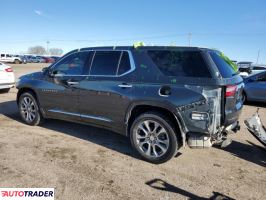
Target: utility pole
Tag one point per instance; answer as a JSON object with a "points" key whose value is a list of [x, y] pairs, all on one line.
{"points": [[47, 46], [189, 38], [258, 57]]}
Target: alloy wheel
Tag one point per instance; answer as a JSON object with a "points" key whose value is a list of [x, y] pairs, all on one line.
{"points": [[152, 138], [28, 109]]}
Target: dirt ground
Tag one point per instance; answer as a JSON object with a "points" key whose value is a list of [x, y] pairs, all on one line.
{"points": [[82, 162]]}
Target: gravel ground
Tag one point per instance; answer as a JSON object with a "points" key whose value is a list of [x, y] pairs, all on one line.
{"points": [[82, 162]]}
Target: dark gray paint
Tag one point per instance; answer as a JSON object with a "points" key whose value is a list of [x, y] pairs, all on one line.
{"points": [[96, 98]]}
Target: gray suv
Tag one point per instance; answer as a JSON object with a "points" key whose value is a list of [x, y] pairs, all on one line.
{"points": [[161, 97]]}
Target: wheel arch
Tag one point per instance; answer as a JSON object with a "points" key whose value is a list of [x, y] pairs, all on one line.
{"points": [[26, 89], [138, 109]]}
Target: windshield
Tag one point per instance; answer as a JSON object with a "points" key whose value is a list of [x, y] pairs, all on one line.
{"points": [[226, 67]]}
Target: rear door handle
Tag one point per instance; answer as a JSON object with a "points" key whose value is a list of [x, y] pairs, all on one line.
{"points": [[125, 85]]}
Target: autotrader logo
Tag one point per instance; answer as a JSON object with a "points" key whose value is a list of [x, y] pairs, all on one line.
{"points": [[27, 193]]}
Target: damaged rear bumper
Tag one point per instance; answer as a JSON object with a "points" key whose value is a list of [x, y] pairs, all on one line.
{"points": [[232, 128]]}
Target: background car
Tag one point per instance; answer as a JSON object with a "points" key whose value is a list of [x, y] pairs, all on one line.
{"points": [[55, 58], [7, 78], [40, 59], [48, 59], [255, 87], [244, 68], [8, 58], [23, 58], [258, 68], [33, 59]]}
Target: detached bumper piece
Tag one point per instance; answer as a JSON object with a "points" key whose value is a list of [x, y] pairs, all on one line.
{"points": [[256, 128]]}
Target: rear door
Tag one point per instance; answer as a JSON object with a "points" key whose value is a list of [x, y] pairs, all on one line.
{"points": [[106, 93]]}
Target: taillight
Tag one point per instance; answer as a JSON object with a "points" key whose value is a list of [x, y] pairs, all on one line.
{"points": [[9, 69], [230, 90]]}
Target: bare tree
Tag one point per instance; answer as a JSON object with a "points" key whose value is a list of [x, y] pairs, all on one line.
{"points": [[39, 50], [55, 51]]}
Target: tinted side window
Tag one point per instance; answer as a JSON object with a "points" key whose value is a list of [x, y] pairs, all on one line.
{"points": [[71, 65], [180, 63], [124, 63], [105, 63], [261, 78]]}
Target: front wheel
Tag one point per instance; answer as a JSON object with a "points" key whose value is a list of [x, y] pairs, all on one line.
{"points": [[17, 61], [29, 109], [154, 138]]}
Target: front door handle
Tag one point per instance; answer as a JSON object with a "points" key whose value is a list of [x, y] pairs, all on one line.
{"points": [[125, 85], [72, 83]]}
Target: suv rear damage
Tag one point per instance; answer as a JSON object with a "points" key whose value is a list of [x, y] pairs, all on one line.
{"points": [[161, 97]]}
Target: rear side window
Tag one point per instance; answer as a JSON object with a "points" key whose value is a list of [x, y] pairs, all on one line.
{"points": [[105, 63], [226, 67], [124, 65], [180, 63], [261, 77]]}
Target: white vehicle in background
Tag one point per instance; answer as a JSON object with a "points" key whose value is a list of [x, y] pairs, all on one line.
{"points": [[258, 68], [7, 78], [9, 58]]}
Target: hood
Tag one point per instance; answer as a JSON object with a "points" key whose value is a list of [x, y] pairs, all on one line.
{"points": [[34, 75]]}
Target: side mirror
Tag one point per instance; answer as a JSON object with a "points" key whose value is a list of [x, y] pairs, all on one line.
{"points": [[44, 70]]}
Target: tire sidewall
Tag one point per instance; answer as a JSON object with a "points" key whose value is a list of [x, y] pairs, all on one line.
{"points": [[37, 119], [173, 142]]}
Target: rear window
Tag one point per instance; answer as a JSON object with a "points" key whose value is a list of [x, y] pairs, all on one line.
{"points": [[225, 66], [180, 63]]}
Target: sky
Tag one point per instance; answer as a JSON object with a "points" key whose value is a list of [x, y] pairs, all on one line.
{"points": [[238, 28]]}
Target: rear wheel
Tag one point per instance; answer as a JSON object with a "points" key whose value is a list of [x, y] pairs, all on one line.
{"points": [[17, 61], [153, 137], [29, 109]]}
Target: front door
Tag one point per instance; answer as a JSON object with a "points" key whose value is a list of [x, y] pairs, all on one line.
{"points": [[59, 96]]}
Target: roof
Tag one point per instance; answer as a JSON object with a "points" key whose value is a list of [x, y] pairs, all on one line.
{"points": [[141, 47]]}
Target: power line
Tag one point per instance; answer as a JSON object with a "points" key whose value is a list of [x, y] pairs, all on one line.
{"points": [[141, 37]]}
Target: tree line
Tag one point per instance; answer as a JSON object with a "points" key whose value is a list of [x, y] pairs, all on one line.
{"points": [[40, 50]]}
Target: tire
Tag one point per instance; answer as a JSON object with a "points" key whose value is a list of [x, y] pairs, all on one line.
{"points": [[28, 104], [17, 61], [165, 144]]}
